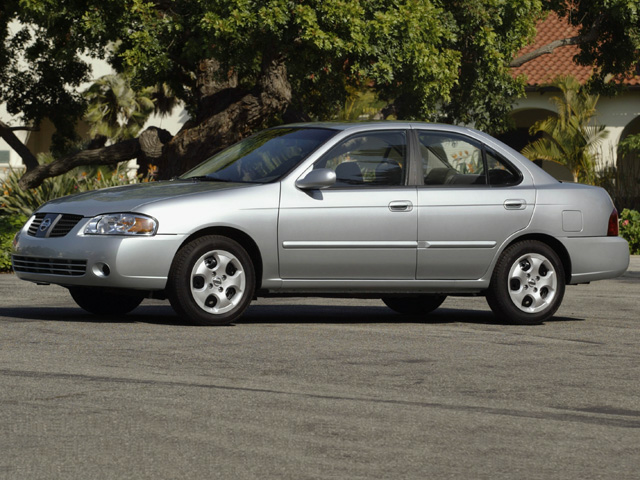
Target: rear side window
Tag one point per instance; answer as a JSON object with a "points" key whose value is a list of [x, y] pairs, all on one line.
{"points": [[449, 159], [499, 171]]}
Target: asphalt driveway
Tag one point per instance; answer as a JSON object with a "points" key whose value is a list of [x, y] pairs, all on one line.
{"points": [[321, 389]]}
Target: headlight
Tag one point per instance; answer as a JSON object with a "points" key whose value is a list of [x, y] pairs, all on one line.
{"points": [[121, 224]]}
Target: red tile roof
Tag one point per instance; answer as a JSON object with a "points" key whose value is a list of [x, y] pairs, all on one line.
{"points": [[544, 69]]}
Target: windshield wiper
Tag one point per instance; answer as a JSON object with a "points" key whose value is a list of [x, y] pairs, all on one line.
{"points": [[210, 178]]}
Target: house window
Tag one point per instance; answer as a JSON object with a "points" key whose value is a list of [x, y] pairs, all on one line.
{"points": [[4, 157]]}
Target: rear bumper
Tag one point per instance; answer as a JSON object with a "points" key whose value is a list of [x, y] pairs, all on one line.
{"points": [[596, 258]]}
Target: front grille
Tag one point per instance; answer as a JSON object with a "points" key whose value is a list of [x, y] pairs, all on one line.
{"points": [[64, 225], [60, 224], [33, 228], [49, 266]]}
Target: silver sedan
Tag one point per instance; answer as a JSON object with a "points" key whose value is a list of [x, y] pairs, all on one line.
{"points": [[406, 212]]}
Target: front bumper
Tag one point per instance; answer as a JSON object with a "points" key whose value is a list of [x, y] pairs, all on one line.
{"points": [[140, 263]]}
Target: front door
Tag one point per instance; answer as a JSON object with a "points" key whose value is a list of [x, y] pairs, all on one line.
{"points": [[362, 228]]}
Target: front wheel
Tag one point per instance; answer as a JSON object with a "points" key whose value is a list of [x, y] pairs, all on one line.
{"points": [[527, 285], [211, 281], [414, 305], [105, 303]]}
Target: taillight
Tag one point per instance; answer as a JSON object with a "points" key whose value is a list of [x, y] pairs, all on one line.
{"points": [[612, 228]]}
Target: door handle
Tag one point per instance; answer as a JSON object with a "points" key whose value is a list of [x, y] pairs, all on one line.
{"points": [[401, 206], [515, 204]]}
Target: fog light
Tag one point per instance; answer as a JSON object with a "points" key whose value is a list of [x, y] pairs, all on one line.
{"points": [[101, 270]]}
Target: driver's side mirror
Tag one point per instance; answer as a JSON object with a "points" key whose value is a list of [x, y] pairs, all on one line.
{"points": [[317, 179]]}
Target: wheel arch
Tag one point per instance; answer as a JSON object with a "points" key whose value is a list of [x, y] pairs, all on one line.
{"points": [[239, 236], [553, 243]]}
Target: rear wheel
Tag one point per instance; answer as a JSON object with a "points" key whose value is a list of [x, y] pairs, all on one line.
{"points": [[414, 305], [528, 284], [104, 303], [211, 281]]}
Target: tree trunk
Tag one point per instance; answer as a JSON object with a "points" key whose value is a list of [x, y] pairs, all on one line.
{"points": [[148, 145], [6, 133], [102, 156], [226, 116]]}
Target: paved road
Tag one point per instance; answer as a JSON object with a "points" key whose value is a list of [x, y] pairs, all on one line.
{"points": [[321, 389]]}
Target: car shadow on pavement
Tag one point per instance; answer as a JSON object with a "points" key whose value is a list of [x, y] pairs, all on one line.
{"points": [[156, 314], [270, 314], [339, 314], [265, 314]]}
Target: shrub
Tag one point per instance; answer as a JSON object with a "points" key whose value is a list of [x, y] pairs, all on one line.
{"points": [[9, 226], [630, 229], [15, 200]]}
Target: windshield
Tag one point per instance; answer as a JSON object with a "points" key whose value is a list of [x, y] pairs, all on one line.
{"points": [[263, 157]]}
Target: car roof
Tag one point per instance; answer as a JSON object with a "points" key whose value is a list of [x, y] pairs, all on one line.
{"points": [[382, 124]]}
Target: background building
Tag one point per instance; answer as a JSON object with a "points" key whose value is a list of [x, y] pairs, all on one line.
{"points": [[620, 114]]}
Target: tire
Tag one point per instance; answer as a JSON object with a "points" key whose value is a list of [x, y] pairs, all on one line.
{"points": [[414, 305], [211, 281], [527, 285], [104, 303]]}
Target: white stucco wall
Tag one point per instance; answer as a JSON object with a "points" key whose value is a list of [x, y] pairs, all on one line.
{"points": [[615, 113]]}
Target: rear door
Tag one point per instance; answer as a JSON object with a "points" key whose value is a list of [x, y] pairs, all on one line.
{"points": [[472, 200]]}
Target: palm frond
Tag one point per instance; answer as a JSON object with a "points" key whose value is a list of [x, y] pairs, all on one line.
{"points": [[570, 138]]}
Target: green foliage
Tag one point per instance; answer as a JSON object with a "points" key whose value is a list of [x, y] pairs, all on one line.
{"points": [[488, 34], [361, 104], [614, 50], [9, 226], [438, 60], [570, 138], [115, 110], [40, 64], [630, 144], [14, 200], [435, 60], [630, 229], [18, 201]]}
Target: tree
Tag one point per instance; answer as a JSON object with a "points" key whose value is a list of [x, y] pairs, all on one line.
{"points": [[115, 111], [239, 65], [571, 138], [608, 36]]}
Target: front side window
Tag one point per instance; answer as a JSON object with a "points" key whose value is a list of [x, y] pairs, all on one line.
{"points": [[263, 157], [368, 159]]}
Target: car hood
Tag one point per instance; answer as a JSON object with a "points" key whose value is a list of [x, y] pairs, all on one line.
{"points": [[129, 198]]}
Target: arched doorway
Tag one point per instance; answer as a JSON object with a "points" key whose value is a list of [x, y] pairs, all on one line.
{"points": [[628, 170], [519, 137]]}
